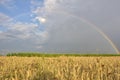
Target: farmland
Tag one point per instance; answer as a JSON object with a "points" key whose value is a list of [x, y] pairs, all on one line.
{"points": [[60, 68]]}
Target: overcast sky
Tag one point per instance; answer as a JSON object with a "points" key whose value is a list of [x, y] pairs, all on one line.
{"points": [[76, 26]]}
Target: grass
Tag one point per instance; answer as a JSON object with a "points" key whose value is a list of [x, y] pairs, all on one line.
{"points": [[22, 54]]}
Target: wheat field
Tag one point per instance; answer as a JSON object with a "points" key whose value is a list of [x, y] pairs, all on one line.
{"points": [[59, 68]]}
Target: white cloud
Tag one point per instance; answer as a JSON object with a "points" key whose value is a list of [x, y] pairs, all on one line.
{"points": [[4, 18], [9, 4], [50, 4], [22, 27], [27, 31], [0, 32], [22, 37], [41, 19]]}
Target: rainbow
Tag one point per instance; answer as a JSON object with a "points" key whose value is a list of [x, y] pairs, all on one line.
{"points": [[94, 27], [89, 23]]}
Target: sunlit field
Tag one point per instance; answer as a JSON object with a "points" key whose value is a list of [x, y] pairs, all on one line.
{"points": [[60, 68]]}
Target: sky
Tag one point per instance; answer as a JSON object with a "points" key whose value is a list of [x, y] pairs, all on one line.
{"points": [[62, 26]]}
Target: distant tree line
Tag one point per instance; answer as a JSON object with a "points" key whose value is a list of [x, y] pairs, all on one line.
{"points": [[25, 54]]}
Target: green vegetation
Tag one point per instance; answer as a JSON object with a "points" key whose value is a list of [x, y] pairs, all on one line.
{"points": [[57, 54], [1, 55]]}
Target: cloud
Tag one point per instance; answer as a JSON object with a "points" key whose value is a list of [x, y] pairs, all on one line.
{"points": [[25, 31], [20, 30], [7, 3], [57, 26], [41, 19], [4, 18], [66, 31], [22, 36]]}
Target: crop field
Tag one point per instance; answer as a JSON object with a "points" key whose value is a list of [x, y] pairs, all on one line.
{"points": [[59, 68]]}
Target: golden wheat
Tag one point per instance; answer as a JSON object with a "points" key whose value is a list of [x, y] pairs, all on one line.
{"points": [[59, 68]]}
